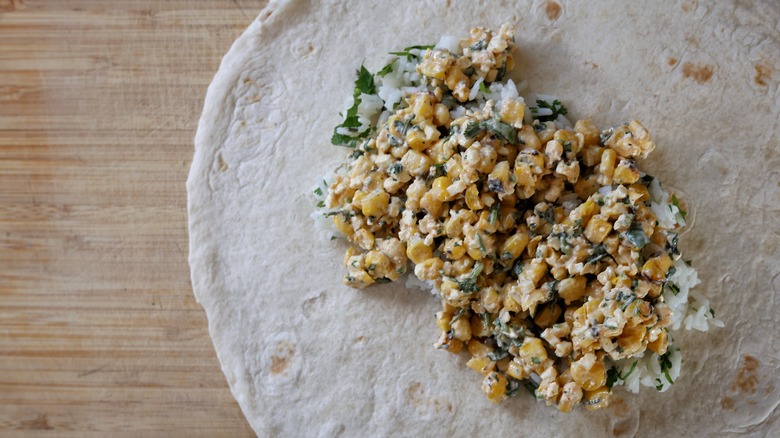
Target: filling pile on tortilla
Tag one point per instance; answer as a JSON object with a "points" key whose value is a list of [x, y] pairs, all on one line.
{"points": [[554, 256]]}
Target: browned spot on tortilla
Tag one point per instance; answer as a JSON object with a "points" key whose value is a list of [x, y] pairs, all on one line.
{"points": [[763, 75], [360, 339], [727, 403], [700, 73], [692, 40], [618, 406], [417, 397], [449, 3], [283, 357], [747, 376], [553, 10], [592, 65], [415, 393], [621, 428], [672, 61], [688, 6]]}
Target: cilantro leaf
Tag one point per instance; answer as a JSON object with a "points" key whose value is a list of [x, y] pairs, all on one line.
{"points": [[636, 235], [409, 56], [364, 84], [556, 107], [385, 70], [676, 203]]}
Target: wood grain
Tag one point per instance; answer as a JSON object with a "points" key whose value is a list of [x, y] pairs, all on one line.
{"points": [[99, 332]]}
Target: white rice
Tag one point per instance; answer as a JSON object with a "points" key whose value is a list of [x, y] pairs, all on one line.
{"points": [[475, 89], [450, 43], [370, 105], [412, 282]]}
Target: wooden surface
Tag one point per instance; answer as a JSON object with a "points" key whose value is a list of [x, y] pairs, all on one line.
{"points": [[99, 332]]}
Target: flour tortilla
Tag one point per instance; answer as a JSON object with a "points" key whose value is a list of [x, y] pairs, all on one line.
{"points": [[306, 356]]}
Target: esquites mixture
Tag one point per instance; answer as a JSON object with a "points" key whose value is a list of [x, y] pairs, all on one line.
{"points": [[554, 257]]}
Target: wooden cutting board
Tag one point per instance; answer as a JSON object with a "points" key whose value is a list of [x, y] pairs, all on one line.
{"points": [[99, 332]]}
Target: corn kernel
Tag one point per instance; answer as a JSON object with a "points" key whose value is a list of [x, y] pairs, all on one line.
{"points": [[461, 328], [572, 289], [376, 203], [439, 187], [441, 114], [596, 399], [589, 132], [472, 198], [416, 163], [655, 268], [481, 365], [417, 251], [494, 387], [626, 172], [548, 315], [589, 372], [512, 112], [607, 166], [532, 352], [478, 349], [660, 344], [597, 229], [513, 247]]}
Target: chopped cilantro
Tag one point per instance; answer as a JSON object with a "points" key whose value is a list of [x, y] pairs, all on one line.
{"points": [[469, 284], [473, 129], [676, 203], [517, 269], [385, 70], [556, 107], [636, 235], [495, 210], [481, 243], [438, 170], [501, 72], [458, 314], [513, 387], [483, 88], [364, 84], [497, 355], [407, 52], [481, 44], [403, 126], [321, 204], [599, 252], [318, 191], [666, 365], [612, 376], [395, 168], [502, 131]]}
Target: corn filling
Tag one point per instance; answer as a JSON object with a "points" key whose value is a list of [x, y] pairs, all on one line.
{"points": [[538, 238]]}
